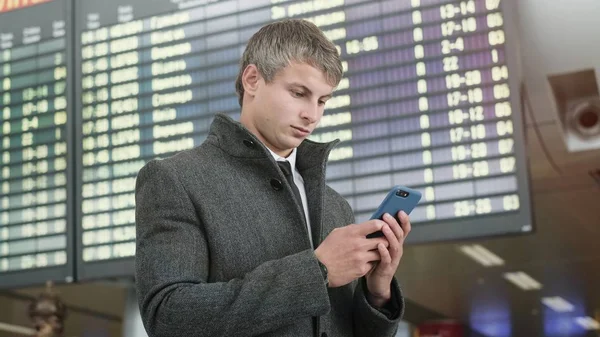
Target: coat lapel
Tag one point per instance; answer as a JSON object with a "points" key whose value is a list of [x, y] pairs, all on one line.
{"points": [[311, 161]]}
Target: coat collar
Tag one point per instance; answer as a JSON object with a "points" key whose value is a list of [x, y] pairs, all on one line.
{"points": [[236, 140], [291, 158]]}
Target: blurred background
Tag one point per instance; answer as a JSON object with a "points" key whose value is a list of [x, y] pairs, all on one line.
{"points": [[490, 108]]}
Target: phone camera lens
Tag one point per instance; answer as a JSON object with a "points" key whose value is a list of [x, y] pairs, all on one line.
{"points": [[402, 193]]}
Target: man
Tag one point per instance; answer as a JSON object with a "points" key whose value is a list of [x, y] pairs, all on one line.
{"points": [[231, 241]]}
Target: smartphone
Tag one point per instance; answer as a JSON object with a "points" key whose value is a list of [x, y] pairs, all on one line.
{"points": [[399, 198]]}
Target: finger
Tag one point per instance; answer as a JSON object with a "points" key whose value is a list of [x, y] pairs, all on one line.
{"points": [[395, 227], [404, 222], [368, 227], [371, 244], [390, 220], [372, 256], [394, 247], [386, 258]]}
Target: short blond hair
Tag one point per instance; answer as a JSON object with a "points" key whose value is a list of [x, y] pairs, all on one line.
{"points": [[278, 44]]}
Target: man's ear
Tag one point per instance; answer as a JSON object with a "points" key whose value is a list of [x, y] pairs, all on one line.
{"points": [[250, 79]]}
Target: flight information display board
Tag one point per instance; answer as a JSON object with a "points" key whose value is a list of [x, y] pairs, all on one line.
{"points": [[426, 101], [35, 163]]}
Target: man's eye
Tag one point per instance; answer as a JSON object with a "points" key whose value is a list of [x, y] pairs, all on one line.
{"points": [[297, 94], [322, 102]]}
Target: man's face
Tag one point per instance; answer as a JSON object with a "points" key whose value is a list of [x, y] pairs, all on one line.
{"points": [[286, 111]]}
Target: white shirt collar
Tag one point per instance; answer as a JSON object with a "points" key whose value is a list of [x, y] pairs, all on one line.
{"points": [[291, 158]]}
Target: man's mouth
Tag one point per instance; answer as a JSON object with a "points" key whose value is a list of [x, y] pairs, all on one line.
{"points": [[301, 130]]}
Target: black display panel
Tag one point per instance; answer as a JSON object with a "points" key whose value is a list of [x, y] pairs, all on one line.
{"points": [[427, 101], [36, 168]]}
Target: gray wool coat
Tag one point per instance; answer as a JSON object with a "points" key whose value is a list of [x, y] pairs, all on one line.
{"points": [[223, 250]]}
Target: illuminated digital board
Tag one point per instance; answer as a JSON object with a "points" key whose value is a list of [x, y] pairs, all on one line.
{"points": [[427, 100], [35, 164]]}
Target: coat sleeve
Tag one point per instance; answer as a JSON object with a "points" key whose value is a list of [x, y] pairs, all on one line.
{"points": [[369, 321], [172, 268]]}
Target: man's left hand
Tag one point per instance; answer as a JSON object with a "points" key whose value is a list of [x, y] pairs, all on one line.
{"points": [[380, 277]]}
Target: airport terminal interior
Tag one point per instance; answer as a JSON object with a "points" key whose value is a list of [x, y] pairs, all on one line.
{"points": [[489, 108]]}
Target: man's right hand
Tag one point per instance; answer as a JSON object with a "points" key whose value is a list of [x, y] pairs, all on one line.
{"points": [[348, 254]]}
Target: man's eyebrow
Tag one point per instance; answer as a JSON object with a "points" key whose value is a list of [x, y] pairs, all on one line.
{"points": [[308, 91]]}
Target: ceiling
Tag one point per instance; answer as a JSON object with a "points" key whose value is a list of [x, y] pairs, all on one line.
{"points": [[563, 254]]}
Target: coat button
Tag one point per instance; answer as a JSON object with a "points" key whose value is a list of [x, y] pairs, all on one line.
{"points": [[249, 143], [276, 184], [324, 334]]}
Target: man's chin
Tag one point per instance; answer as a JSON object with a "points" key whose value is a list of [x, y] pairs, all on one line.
{"points": [[291, 146]]}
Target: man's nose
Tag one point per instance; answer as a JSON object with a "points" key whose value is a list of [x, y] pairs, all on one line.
{"points": [[311, 113]]}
